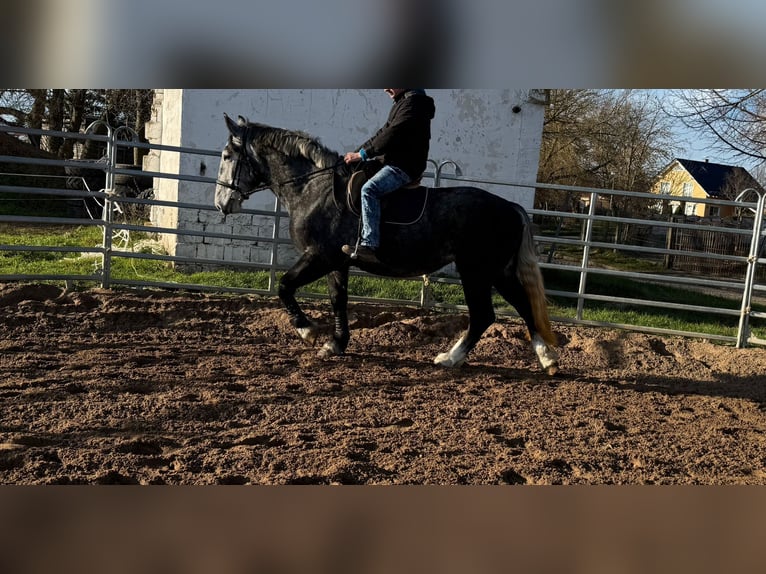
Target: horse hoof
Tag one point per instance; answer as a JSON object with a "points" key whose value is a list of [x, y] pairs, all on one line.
{"points": [[309, 335], [445, 360], [330, 349], [552, 370]]}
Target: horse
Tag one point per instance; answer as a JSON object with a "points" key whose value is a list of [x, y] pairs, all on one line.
{"points": [[488, 238]]}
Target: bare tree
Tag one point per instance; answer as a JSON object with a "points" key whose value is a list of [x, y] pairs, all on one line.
{"points": [[131, 108], [738, 180], [759, 173], [36, 114], [736, 118], [602, 139], [564, 135], [56, 109], [14, 106], [68, 110], [77, 100]]}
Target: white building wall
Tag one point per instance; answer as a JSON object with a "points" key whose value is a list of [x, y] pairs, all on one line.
{"points": [[478, 129]]}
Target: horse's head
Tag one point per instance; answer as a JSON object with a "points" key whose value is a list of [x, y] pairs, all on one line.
{"points": [[239, 171]]}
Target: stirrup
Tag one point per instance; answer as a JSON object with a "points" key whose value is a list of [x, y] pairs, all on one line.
{"points": [[352, 251]]}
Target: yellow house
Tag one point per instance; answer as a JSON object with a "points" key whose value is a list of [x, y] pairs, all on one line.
{"points": [[691, 179]]}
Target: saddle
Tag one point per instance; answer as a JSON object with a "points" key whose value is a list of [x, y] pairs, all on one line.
{"points": [[404, 206]]}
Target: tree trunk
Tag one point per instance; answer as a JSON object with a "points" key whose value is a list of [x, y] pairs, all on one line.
{"points": [[77, 99], [669, 240], [56, 120], [143, 113], [37, 114]]}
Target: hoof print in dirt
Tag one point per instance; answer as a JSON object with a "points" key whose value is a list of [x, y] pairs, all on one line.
{"points": [[165, 388]]}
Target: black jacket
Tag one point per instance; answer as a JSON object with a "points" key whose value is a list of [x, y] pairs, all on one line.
{"points": [[403, 141]]}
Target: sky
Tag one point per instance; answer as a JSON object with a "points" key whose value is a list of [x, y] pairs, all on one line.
{"points": [[700, 145]]}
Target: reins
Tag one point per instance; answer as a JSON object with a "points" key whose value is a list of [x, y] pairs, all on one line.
{"points": [[308, 175], [247, 194]]}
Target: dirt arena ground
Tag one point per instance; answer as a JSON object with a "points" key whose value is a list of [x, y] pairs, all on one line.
{"points": [[146, 387]]}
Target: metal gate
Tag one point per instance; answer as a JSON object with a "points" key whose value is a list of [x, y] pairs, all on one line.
{"points": [[114, 232]]}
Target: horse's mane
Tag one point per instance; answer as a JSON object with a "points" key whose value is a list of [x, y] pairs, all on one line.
{"points": [[295, 144]]}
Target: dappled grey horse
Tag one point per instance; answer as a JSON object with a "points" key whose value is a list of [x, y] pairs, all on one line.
{"points": [[487, 237]]}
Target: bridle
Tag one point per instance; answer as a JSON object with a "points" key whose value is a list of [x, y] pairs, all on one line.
{"points": [[235, 187]]}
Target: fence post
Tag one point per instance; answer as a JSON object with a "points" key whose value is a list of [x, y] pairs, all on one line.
{"points": [[426, 292], [106, 214], [586, 254], [752, 260], [426, 295]]}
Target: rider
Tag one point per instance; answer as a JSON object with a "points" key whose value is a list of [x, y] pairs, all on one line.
{"points": [[402, 145]]}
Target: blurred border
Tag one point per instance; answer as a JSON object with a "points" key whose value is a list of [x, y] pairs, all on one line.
{"points": [[478, 44], [448, 530], [368, 43]]}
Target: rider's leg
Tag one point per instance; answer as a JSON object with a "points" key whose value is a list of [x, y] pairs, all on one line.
{"points": [[388, 179]]}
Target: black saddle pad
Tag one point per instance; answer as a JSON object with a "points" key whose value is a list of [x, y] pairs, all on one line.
{"points": [[403, 206]]}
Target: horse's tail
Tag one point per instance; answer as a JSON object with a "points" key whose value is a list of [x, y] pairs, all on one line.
{"points": [[528, 273]]}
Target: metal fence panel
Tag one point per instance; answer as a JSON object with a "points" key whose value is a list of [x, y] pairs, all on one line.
{"points": [[691, 247]]}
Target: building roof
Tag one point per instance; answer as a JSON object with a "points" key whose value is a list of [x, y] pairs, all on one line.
{"points": [[713, 177]]}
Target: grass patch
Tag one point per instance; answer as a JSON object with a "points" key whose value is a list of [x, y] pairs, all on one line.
{"points": [[607, 258], [597, 284], [409, 291], [128, 268], [50, 235], [48, 262], [372, 287], [665, 316]]}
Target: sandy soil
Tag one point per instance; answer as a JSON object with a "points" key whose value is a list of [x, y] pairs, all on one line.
{"points": [[131, 387]]}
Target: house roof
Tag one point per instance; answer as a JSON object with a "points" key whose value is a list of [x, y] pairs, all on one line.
{"points": [[713, 177]]}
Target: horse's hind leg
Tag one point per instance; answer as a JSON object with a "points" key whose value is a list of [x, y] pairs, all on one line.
{"points": [[511, 289], [481, 314]]}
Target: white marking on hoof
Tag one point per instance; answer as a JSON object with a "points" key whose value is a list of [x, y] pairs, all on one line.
{"points": [[548, 357], [329, 349], [309, 334], [552, 370], [454, 358]]}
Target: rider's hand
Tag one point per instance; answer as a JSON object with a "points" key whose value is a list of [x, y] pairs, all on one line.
{"points": [[352, 156]]}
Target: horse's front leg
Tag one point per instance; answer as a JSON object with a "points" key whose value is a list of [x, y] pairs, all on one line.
{"points": [[337, 282], [307, 269]]}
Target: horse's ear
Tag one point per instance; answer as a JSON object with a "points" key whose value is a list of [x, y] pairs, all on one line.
{"points": [[235, 129]]}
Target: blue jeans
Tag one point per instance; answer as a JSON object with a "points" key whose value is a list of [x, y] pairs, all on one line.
{"points": [[388, 179]]}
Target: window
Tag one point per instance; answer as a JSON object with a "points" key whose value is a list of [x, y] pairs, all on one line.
{"points": [[665, 187], [688, 188]]}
